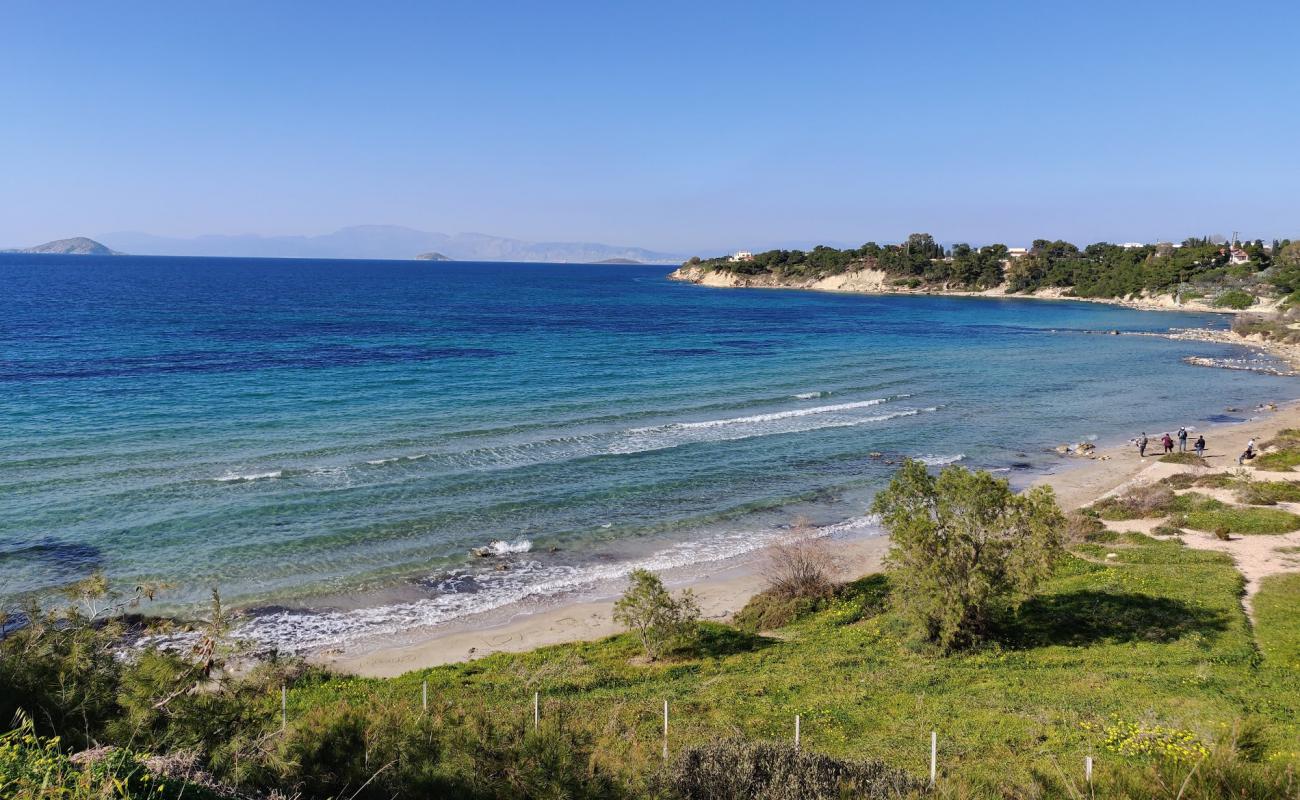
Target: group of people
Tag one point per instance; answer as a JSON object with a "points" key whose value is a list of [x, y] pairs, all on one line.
{"points": [[1167, 442]]}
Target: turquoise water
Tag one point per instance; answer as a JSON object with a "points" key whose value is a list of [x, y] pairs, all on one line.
{"points": [[337, 436]]}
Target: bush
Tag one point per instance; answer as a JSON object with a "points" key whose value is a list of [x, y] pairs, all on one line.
{"points": [[1183, 458], [1235, 299], [1278, 461], [660, 620], [1141, 502], [1082, 526], [769, 610], [740, 770], [963, 545], [800, 565]]}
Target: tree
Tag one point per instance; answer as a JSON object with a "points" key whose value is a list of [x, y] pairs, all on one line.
{"points": [[660, 620], [964, 546]]}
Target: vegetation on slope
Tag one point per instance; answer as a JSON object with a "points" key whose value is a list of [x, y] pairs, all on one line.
{"points": [[1198, 268], [1133, 650]]}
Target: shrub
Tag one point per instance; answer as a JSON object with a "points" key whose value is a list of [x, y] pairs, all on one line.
{"points": [[1234, 298], [1183, 458], [660, 620], [800, 565], [1082, 526], [768, 610], [963, 545], [740, 770], [1153, 500]]}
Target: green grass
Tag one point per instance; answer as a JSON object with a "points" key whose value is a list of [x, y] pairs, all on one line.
{"points": [[1276, 606], [1269, 493], [1212, 516], [1278, 461], [1154, 638]]}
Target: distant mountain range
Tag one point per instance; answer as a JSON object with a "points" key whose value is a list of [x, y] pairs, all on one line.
{"points": [[78, 245], [383, 242]]}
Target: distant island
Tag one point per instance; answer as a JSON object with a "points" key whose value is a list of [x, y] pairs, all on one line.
{"points": [[382, 242], [77, 246], [432, 257], [617, 261]]}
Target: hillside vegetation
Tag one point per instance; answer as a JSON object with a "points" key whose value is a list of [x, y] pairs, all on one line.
{"points": [[1132, 650], [1197, 268]]}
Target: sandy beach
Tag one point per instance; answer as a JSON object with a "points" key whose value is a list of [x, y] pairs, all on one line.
{"points": [[1081, 481]]}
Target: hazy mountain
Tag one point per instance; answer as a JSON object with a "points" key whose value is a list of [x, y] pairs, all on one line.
{"points": [[381, 241], [78, 245]]}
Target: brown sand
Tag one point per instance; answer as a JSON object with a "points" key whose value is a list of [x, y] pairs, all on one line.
{"points": [[722, 594]]}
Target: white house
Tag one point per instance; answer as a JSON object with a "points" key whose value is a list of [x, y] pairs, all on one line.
{"points": [[1237, 256], [1017, 252], [742, 255]]}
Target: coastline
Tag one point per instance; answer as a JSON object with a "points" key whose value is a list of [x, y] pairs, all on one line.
{"points": [[1081, 481], [870, 281]]}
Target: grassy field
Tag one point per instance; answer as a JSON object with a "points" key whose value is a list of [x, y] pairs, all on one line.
{"points": [[1140, 655]]}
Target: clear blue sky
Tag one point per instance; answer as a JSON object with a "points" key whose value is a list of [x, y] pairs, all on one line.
{"points": [[685, 126]]}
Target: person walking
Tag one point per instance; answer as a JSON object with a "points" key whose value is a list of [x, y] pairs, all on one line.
{"points": [[1168, 443], [1200, 446], [1182, 440], [1142, 445]]}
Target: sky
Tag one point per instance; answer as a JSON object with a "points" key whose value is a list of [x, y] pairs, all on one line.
{"points": [[690, 127]]}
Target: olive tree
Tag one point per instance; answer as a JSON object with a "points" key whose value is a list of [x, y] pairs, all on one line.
{"points": [[660, 620], [964, 545]]}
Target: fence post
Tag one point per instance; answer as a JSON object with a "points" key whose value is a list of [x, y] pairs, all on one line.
{"points": [[537, 711], [284, 708], [665, 730], [796, 731], [1087, 772], [934, 756], [424, 696]]}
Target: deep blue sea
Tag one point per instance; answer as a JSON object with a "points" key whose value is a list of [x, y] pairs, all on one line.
{"points": [[338, 435]]}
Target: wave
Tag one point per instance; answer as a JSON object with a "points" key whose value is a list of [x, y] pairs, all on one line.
{"points": [[235, 477], [940, 461], [466, 592], [809, 395], [498, 547]]}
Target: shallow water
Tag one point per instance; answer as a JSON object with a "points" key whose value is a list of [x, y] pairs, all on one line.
{"points": [[298, 430]]}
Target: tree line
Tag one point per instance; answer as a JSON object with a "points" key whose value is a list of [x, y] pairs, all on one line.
{"points": [[1097, 270]]}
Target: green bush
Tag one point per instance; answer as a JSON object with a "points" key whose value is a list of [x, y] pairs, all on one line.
{"points": [[1278, 461], [740, 770], [769, 610], [963, 546], [1235, 299], [660, 620], [1183, 458]]}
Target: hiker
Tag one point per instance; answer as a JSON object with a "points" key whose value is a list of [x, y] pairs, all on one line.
{"points": [[1182, 440], [1200, 446], [1168, 443], [1142, 445]]}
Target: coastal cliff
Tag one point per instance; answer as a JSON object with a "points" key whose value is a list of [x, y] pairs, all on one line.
{"points": [[875, 281]]}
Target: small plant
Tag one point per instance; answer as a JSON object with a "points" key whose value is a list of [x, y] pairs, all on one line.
{"points": [[1222, 533], [800, 565], [739, 770], [660, 620]]}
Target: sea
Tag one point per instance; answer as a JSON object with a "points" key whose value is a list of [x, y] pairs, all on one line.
{"points": [[329, 443]]}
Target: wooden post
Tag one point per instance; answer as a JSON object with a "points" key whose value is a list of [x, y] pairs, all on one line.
{"points": [[665, 730], [1087, 772], [537, 711], [284, 708], [796, 731], [424, 696], [934, 756]]}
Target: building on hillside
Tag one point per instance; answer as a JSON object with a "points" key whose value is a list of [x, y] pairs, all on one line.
{"points": [[742, 255], [1131, 245], [1017, 252], [1237, 256]]}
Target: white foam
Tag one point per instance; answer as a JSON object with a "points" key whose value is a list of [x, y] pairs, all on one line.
{"points": [[809, 395], [940, 461], [503, 548], [777, 415], [299, 631], [231, 476]]}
